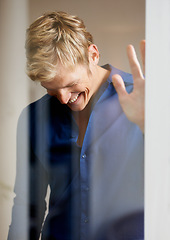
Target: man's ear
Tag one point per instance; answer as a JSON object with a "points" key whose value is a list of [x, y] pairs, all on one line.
{"points": [[93, 54]]}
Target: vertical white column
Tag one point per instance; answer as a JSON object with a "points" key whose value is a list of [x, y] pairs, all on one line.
{"points": [[13, 97], [157, 148]]}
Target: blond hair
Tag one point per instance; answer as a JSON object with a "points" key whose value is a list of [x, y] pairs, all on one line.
{"points": [[56, 37]]}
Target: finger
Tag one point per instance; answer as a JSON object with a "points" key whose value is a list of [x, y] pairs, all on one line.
{"points": [[134, 63], [119, 85], [142, 50]]}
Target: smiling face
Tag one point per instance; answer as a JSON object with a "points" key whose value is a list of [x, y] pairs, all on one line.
{"points": [[75, 87], [72, 87]]}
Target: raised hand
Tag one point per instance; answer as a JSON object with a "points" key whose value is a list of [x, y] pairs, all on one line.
{"points": [[133, 104]]}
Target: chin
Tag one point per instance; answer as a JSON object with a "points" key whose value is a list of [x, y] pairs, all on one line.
{"points": [[76, 108]]}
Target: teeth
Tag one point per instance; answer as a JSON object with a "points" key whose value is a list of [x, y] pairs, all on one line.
{"points": [[74, 99]]}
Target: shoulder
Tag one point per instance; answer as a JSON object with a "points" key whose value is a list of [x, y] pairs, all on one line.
{"points": [[46, 105], [127, 77], [41, 104], [107, 90], [43, 112]]}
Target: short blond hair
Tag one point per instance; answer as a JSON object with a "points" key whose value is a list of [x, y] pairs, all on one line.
{"points": [[56, 37]]}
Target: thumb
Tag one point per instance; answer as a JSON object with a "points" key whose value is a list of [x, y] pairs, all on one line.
{"points": [[119, 85]]}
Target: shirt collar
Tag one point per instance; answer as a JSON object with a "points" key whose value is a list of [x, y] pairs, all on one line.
{"points": [[127, 77]]}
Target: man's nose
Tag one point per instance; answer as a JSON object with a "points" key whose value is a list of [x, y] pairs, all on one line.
{"points": [[63, 96]]}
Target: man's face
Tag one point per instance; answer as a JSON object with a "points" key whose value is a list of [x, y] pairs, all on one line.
{"points": [[72, 87]]}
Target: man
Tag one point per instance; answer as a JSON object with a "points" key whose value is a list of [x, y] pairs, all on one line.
{"points": [[81, 139]]}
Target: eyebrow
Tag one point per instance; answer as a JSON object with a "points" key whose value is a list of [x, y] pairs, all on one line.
{"points": [[69, 85]]}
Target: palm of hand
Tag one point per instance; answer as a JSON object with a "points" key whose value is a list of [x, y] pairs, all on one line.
{"points": [[133, 104]]}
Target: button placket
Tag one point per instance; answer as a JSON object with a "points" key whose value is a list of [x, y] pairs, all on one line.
{"points": [[86, 220], [84, 172]]}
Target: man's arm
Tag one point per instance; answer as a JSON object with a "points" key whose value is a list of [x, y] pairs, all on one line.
{"points": [[29, 203]]}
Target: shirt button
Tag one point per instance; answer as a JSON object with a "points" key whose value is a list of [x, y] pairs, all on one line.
{"points": [[87, 188], [86, 220], [84, 156]]}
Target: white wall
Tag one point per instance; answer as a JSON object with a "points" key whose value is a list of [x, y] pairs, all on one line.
{"points": [[13, 97], [157, 139]]}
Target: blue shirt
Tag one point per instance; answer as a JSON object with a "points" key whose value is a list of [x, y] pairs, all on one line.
{"points": [[90, 186]]}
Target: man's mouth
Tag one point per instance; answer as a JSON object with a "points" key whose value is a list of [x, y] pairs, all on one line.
{"points": [[74, 99]]}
